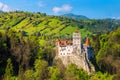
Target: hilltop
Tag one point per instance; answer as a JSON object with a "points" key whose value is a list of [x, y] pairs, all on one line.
{"points": [[75, 17]]}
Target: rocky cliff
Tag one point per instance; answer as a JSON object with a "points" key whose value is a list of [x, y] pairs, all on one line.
{"points": [[80, 61]]}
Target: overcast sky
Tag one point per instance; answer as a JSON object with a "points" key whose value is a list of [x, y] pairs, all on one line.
{"points": [[89, 8]]}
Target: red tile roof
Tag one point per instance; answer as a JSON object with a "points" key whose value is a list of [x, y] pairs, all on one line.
{"points": [[64, 42]]}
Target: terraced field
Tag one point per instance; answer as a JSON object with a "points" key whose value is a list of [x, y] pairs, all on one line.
{"points": [[33, 23]]}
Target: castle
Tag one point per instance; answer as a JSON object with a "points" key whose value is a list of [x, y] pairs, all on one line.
{"points": [[73, 51]]}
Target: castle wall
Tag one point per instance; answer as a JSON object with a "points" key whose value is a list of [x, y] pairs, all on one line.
{"points": [[65, 50]]}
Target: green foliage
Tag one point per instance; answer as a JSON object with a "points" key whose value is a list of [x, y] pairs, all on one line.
{"points": [[54, 73], [9, 70], [108, 56], [40, 69], [52, 25], [101, 76], [95, 43], [29, 75], [73, 73]]}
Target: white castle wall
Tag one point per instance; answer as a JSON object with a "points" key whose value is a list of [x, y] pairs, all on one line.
{"points": [[65, 50]]}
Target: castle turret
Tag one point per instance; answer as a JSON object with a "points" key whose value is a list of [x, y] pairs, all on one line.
{"points": [[89, 51], [77, 40], [87, 42]]}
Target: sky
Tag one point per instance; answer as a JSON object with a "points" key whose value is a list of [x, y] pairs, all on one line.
{"points": [[94, 9]]}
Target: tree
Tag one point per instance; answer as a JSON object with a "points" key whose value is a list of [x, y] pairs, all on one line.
{"points": [[102, 76], [54, 73], [40, 69], [29, 75], [9, 70], [73, 73], [58, 64]]}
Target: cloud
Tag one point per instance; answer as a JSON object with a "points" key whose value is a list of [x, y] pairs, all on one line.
{"points": [[64, 8], [40, 4], [116, 17], [4, 7]]}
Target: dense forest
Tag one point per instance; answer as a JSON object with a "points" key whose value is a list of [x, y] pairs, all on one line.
{"points": [[27, 47], [107, 52]]}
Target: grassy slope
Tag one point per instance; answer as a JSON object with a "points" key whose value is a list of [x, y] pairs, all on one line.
{"points": [[53, 25], [32, 23]]}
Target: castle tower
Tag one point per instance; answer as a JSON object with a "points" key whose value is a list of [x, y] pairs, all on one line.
{"points": [[87, 42], [77, 40], [57, 46]]}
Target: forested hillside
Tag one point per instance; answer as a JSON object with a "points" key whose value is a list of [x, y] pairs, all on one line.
{"points": [[75, 17], [107, 52], [40, 23], [27, 47]]}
